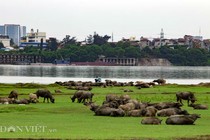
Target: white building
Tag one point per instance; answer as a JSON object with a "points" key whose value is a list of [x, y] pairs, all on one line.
{"points": [[36, 36], [5, 40]]}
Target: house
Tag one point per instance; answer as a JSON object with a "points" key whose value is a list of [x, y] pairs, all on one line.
{"points": [[144, 42]]}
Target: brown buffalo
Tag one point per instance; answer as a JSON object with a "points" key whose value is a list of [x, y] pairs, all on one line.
{"points": [[171, 111], [164, 105], [6, 100], [151, 120], [13, 94], [107, 111], [182, 119], [136, 113], [150, 111], [160, 81], [22, 101], [77, 95], [46, 94], [189, 96], [199, 106], [127, 107], [85, 96], [33, 98], [112, 97]]}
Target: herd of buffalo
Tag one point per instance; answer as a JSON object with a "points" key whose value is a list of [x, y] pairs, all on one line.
{"points": [[123, 105]]}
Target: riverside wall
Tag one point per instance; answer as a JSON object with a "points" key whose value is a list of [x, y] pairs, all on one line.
{"points": [[153, 62]]}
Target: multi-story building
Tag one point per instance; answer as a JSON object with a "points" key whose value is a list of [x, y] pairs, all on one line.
{"points": [[34, 39], [36, 36], [2, 32], [14, 31]]}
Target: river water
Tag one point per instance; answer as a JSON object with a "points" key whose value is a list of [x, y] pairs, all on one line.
{"points": [[52, 73]]}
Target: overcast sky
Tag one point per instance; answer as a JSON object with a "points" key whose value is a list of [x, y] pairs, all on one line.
{"points": [[124, 18]]}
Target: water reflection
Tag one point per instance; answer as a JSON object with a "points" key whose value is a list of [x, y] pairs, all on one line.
{"points": [[123, 72]]}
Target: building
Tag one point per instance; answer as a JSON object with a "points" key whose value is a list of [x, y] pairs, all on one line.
{"points": [[119, 61], [2, 31], [22, 31], [35, 39], [144, 42], [14, 31], [5, 40]]}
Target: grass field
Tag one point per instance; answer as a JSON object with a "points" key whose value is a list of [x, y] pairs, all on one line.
{"points": [[67, 120]]}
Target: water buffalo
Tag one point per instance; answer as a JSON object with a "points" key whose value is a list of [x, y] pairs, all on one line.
{"points": [[107, 111], [199, 106], [160, 81], [33, 98], [112, 104], [137, 113], [112, 97], [83, 88], [127, 107], [6, 100], [151, 120], [182, 119], [22, 101], [85, 96], [13, 94], [150, 111], [164, 105], [135, 102], [77, 95], [46, 94], [189, 96], [171, 111]]}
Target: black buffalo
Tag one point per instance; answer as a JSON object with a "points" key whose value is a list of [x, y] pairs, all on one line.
{"points": [[199, 106], [85, 96], [160, 81], [189, 96], [13, 94], [182, 119], [151, 120], [77, 95], [46, 94], [171, 111]]}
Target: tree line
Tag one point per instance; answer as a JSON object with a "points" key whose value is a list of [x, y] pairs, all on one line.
{"points": [[99, 45]]}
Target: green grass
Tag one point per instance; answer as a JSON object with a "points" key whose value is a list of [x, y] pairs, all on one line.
{"points": [[67, 120]]}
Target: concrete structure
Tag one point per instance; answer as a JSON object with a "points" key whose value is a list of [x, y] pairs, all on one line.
{"points": [[5, 40], [19, 59], [120, 61]]}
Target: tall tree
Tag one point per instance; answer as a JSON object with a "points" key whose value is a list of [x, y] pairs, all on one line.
{"points": [[1, 45], [90, 39], [52, 44], [100, 40], [68, 40]]}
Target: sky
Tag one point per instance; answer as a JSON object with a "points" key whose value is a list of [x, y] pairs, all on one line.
{"points": [[123, 18]]}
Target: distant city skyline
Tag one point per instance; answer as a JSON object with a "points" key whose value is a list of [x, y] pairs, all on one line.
{"points": [[123, 18]]}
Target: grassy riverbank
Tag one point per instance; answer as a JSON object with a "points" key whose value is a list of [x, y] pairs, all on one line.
{"points": [[67, 120]]}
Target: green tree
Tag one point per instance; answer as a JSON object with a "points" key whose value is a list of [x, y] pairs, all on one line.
{"points": [[1, 45], [52, 44]]}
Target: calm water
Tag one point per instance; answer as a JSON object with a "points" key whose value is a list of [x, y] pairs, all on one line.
{"points": [[50, 74]]}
